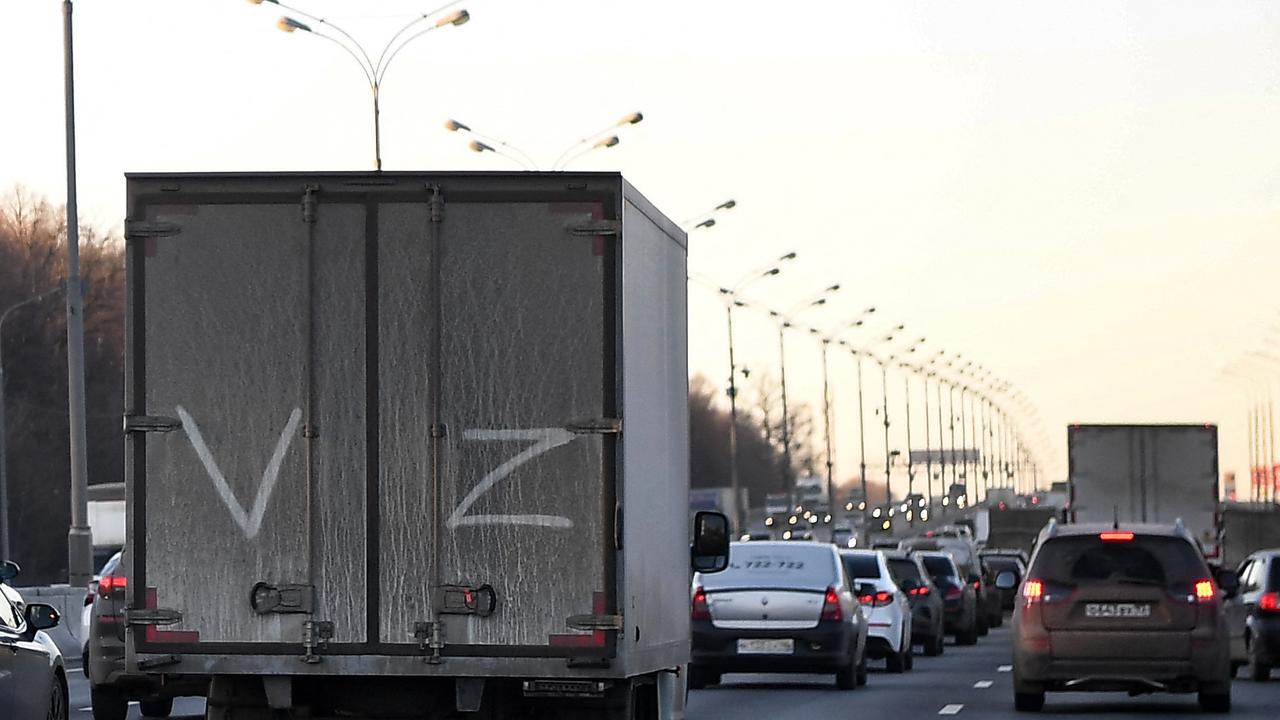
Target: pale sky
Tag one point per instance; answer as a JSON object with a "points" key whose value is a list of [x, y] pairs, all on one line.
{"points": [[1081, 196]]}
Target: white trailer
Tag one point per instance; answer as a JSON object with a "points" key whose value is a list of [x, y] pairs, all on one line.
{"points": [[407, 442], [1148, 474]]}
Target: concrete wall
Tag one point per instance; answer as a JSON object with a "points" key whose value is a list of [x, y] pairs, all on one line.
{"points": [[69, 601]]}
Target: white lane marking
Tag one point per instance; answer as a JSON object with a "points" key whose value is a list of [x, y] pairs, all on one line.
{"points": [[250, 522], [1005, 668], [983, 684], [544, 439], [951, 709]]}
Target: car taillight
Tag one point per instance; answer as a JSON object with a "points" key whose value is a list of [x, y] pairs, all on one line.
{"points": [[1032, 591], [1269, 602], [977, 584], [701, 611], [921, 591], [953, 592], [831, 606], [876, 599], [108, 584], [1116, 536], [1205, 590]]}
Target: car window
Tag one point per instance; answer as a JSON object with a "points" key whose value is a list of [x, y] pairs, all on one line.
{"points": [[862, 566], [1150, 559], [112, 564], [8, 614], [939, 566], [1273, 577], [804, 566], [1000, 564], [1246, 573], [903, 569]]}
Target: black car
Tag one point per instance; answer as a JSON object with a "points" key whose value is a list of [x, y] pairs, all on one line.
{"points": [[909, 573], [996, 563], [959, 596], [1253, 615]]}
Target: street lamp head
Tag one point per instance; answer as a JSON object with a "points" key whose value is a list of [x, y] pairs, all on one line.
{"points": [[632, 119], [788, 256], [833, 288], [607, 142], [288, 24], [870, 310], [709, 222], [259, 2], [454, 126], [477, 146], [727, 205], [459, 17], [771, 271]]}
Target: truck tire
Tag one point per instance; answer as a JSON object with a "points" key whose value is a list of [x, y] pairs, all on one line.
{"points": [[109, 703], [156, 707]]}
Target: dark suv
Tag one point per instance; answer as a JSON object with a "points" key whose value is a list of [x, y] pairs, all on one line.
{"points": [[1131, 609], [925, 598], [1253, 614], [959, 596]]}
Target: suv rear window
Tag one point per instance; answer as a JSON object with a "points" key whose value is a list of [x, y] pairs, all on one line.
{"points": [[1146, 559], [939, 566], [861, 566], [805, 566], [1274, 579], [903, 569]]}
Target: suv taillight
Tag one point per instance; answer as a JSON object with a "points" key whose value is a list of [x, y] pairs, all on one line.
{"points": [[1269, 602], [1205, 591], [831, 606], [701, 611], [108, 584], [1032, 591]]}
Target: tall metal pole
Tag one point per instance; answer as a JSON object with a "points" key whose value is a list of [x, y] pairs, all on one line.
{"points": [[79, 540], [888, 459], [951, 414], [928, 446], [734, 483], [914, 508], [1271, 448], [826, 425], [786, 419], [973, 437], [862, 445]]}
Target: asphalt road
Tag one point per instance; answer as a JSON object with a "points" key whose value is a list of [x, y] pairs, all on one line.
{"points": [[970, 682], [964, 682]]}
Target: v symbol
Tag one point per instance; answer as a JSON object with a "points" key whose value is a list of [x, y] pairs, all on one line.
{"points": [[250, 521]]}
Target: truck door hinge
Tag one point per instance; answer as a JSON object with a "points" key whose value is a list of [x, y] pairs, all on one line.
{"points": [[430, 637], [316, 635], [150, 423], [309, 203], [436, 203], [598, 228], [152, 616], [150, 229], [608, 623], [596, 426]]}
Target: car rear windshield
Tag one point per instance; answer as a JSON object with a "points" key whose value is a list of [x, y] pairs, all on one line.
{"points": [[1144, 560], [903, 569], [1001, 563], [802, 566], [939, 566], [861, 566], [1275, 576]]}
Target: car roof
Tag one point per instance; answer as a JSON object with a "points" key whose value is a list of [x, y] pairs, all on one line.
{"points": [[1078, 529], [861, 551]]}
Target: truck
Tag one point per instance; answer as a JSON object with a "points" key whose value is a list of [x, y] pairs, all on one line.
{"points": [[1016, 528], [106, 520], [406, 444], [1146, 474]]}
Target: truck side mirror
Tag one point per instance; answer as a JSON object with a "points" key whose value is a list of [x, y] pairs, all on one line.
{"points": [[710, 550], [1006, 580]]}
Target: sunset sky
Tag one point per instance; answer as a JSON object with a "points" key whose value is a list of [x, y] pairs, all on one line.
{"points": [[1084, 197]]}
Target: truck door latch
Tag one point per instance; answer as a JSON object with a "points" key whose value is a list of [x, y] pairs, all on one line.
{"points": [[150, 423], [284, 599], [152, 616], [595, 426]]}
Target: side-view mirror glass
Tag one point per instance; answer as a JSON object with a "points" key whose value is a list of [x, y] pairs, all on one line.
{"points": [[1229, 582], [41, 616], [710, 551], [1006, 580], [9, 570]]}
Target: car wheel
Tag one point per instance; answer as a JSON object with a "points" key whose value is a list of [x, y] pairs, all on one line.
{"points": [[1028, 701], [698, 678], [1215, 702], [911, 657], [847, 676], [109, 703], [968, 636], [980, 625], [896, 662], [156, 707], [934, 645], [58, 709], [1259, 671], [861, 676], [996, 620]]}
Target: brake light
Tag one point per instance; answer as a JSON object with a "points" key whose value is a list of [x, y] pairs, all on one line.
{"points": [[921, 591], [831, 606], [1205, 590], [1116, 536], [1032, 591], [953, 592], [1269, 602], [700, 611], [977, 584], [108, 584]]}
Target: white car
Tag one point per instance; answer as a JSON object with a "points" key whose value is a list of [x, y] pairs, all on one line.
{"points": [[886, 607], [33, 679]]}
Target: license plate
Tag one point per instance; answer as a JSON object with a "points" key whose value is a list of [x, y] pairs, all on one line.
{"points": [[1117, 610], [759, 646]]}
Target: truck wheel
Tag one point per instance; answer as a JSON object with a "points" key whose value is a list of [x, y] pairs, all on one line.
{"points": [[156, 707], [108, 703]]}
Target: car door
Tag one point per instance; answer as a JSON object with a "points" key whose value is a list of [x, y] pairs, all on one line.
{"points": [[1236, 611], [24, 667]]}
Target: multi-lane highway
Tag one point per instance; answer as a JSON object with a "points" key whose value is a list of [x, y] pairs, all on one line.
{"points": [[969, 682]]}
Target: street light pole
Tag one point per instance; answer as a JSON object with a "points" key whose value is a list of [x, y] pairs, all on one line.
{"points": [[858, 353], [79, 540], [5, 547]]}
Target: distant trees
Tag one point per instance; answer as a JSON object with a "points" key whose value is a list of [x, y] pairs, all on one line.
{"points": [[33, 260]]}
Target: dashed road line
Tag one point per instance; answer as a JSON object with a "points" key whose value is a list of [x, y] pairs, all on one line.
{"points": [[1005, 668], [983, 684], [951, 709]]}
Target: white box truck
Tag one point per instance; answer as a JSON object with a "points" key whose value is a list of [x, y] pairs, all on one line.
{"points": [[1146, 474], [409, 444]]}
